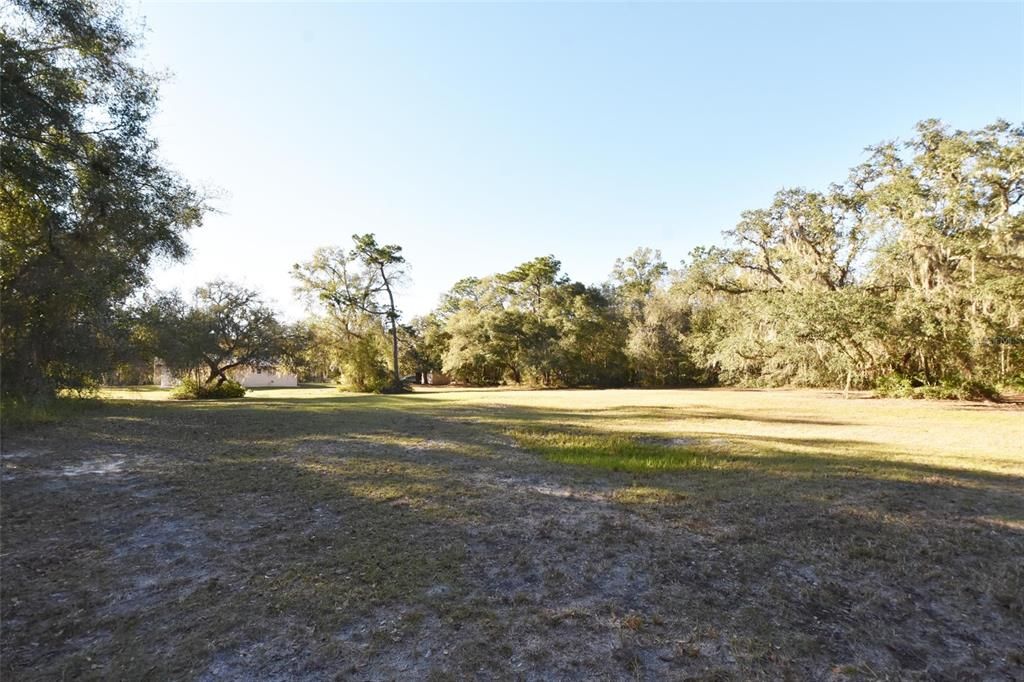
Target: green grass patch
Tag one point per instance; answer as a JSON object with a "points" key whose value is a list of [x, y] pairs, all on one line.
{"points": [[20, 414], [610, 451]]}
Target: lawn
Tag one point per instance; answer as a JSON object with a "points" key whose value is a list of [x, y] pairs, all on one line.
{"points": [[690, 534]]}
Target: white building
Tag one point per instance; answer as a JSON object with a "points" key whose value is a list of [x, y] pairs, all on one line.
{"points": [[263, 376], [250, 377], [162, 376]]}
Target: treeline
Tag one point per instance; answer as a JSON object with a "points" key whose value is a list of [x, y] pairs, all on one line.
{"points": [[906, 277]]}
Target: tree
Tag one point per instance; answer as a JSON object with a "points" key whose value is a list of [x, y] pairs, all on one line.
{"points": [[591, 335], [383, 268], [326, 347], [803, 241], [657, 342], [425, 342], [357, 283], [635, 278], [635, 281], [227, 326], [87, 205], [530, 325], [296, 351], [235, 328], [164, 330], [948, 205], [528, 283], [312, 350], [913, 268]]}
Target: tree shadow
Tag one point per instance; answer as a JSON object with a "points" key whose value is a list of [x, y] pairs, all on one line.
{"points": [[823, 550]]}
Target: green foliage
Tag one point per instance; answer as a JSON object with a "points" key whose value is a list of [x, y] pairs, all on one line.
{"points": [[86, 203], [659, 341], [357, 289], [362, 366], [531, 325], [618, 453], [908, 278], [636, 278], [351, 351], [949, 389], [897, 386], [21, 413], [225, 327], [313, 350], [193, 389], [1013, 384], [233, 327], [914, 268], [894, 386], [294, 346], [423, 344]]}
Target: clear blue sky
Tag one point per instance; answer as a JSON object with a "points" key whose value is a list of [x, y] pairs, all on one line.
{"points": [[479, 136]]}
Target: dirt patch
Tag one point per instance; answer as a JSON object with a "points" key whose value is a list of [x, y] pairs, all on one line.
{"points": [[96, 467]]}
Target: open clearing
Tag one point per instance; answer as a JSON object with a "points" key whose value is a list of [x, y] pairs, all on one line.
{"points": [[705, 534]]}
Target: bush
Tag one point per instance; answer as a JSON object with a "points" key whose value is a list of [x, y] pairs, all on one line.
{"points": [[894, 386], [363, 369], [1014, 384], [898, 386], [364, 380], [190, 389], [403, 387], [960, 389]]}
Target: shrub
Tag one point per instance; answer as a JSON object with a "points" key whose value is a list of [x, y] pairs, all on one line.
{"points": [[402, 387], [190, 389], [1014, 384], [960, 389], [362, 367], [365, 381], [894, 386], [898, 386]]}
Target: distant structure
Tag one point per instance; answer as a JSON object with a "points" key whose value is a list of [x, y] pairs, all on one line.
{"points": [[162, 376], [267, 375], [438, 379], [250, 377]]}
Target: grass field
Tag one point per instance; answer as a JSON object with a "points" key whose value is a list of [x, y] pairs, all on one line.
{"points": [[705, 534]]}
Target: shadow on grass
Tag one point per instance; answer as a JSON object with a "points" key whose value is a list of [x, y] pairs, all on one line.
{"points": [[224, 553], [653, 413], [346, 414], [299, 516], [370, 425]]}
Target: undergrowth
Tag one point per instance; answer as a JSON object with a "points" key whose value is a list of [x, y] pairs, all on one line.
{"points": [[190, 389], [900, 386]]}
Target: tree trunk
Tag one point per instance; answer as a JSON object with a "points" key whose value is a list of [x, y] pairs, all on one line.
{"points": [[393, 316], [394, 348]]}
